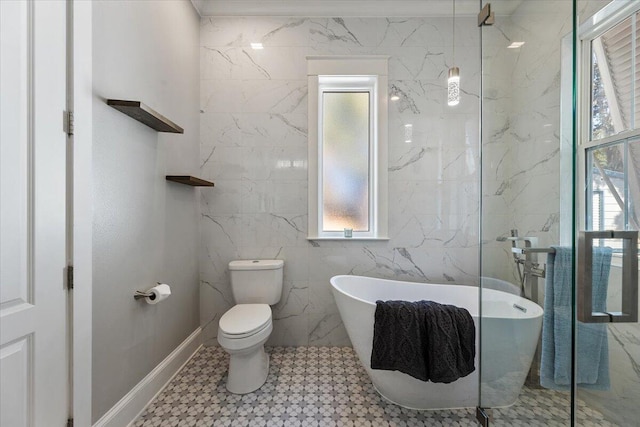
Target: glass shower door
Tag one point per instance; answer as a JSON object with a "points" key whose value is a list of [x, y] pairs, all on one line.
{"points": [[560, 342], [527, 212], [607, 332]]}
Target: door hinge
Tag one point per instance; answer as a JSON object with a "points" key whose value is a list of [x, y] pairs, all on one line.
{"points": [[70, 422], [483, 416], [69, 284], [486, 16], [67, 122]]}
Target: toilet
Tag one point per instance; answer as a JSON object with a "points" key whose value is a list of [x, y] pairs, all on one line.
{"points": [[243, 329]]}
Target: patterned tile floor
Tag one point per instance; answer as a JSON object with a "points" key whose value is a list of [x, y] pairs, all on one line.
{"points": [[323, 386]]}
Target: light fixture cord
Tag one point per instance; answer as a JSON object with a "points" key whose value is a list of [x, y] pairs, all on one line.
{"points": [[454, 33]]}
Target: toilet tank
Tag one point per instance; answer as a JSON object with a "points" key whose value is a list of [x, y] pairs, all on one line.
{"points": [[256, 281]]}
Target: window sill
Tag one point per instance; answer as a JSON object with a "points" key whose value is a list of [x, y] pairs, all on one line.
{"points": [[348, 238]]}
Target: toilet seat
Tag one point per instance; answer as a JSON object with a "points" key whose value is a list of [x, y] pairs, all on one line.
{"points": [[245, 320]]}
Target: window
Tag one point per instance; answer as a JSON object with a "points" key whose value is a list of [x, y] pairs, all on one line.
{"points": [[348, 147], [611, 144]]}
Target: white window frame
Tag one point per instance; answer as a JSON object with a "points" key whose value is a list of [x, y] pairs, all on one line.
{"points": [[350, 74], [608, 17]]}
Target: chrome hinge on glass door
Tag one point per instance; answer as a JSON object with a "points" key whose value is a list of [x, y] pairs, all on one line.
{"points": [[629, 313], [486, 17], [483, 416]]}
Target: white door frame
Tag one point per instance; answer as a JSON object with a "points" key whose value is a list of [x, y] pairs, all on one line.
{"points": [[81, 35]]}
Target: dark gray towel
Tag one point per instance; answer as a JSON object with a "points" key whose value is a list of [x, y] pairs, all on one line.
{"points": [[424, 339]]}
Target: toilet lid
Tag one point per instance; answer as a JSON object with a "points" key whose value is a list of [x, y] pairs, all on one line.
{"points": [[245, 319]]}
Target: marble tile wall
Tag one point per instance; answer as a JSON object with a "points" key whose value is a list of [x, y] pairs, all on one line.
{"points": [[254, 146], [522, 178], [521, 131]]}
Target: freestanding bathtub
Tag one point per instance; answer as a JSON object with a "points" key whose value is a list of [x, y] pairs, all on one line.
{"points": [[511, 327]]}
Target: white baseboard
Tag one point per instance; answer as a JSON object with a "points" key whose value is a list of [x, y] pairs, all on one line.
{"points": [[133, 403]]}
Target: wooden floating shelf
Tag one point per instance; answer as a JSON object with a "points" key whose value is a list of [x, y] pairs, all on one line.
{"points": [[189, 180], [144, 114]]}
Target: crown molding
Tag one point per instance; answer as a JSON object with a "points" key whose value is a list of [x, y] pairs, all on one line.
{"points": [[359, 8]]}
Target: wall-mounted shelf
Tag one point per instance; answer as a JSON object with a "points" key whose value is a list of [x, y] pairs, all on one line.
{"points": [[144, 114], [189, 180]]}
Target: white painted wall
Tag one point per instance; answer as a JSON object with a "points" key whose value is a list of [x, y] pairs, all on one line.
{"points": [[145, 229]]}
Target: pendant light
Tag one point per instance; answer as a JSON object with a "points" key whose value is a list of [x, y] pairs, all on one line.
{"points": [[453, 81]]}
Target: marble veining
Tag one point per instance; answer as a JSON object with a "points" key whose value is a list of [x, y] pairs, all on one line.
{"points": [[254, 146]]}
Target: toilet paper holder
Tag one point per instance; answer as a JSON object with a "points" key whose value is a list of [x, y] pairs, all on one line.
{"points": [[140, 294], [143, 294]]}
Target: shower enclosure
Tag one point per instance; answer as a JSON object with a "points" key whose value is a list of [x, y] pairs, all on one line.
{"points": [[560, 116]]}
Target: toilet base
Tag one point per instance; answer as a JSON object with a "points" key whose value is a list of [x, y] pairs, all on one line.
{"points": [[248, 371]]}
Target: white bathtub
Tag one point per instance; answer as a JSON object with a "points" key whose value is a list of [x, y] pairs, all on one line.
{"points": [[509, 341]]}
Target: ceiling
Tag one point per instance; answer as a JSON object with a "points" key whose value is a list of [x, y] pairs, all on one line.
{"points": [[361, 8]]}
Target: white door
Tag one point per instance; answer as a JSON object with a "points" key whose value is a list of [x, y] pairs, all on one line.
{"points": [[33, 317]]}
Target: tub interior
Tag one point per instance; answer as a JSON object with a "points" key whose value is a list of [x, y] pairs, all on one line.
{"points": [[496, 304]]}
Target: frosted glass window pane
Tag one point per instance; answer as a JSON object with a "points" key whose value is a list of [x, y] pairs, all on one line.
{"points": [[345, 161]]}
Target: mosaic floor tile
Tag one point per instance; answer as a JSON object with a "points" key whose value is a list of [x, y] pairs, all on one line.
{"points": [[323, 386]]}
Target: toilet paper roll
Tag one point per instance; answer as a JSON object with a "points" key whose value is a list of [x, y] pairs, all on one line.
{"points": [[158, 293]]}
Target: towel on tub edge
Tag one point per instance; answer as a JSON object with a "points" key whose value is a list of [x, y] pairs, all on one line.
{"points": [[424, 339]]}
